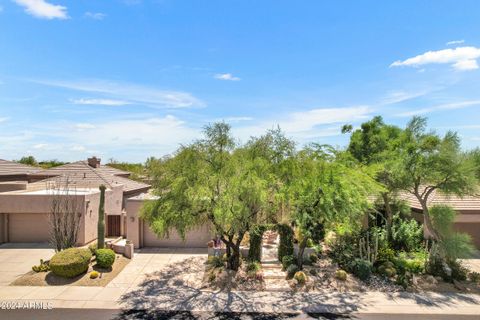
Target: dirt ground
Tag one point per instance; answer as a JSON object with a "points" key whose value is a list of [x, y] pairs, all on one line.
{"points": [[49, 279], [231, 280]]}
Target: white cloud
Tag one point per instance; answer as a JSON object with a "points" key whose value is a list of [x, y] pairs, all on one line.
{"points": [[398, 96], [3, 119], [42, 9], [40, 146], [84, 126], [78, 148], [131, 93], [448, 106], [95, 15], [461, 58], [450, 43], [308, 125], [103, 102], [234, 119], [226, 76], [466, 65]]}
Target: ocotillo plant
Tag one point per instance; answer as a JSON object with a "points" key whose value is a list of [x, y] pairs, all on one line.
{"points": [[101, 219]]}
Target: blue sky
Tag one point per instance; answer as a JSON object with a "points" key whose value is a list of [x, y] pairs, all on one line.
{"points": [[135, 78]]}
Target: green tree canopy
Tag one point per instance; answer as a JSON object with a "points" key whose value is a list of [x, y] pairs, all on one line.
{"points": [[326, 191], [429, 162], [213, 181]]}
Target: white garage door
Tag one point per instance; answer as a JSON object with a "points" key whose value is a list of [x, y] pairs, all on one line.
{"points": [[196, 238], [28, 227]]}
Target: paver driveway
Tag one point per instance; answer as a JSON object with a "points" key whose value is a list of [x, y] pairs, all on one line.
{"points": [[18, 258]]}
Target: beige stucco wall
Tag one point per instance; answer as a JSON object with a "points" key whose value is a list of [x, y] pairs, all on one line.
{"points": [[113, 205], [12, 186], [132, 209]]}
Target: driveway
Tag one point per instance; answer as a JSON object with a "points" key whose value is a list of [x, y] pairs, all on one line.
{"points": [[150, 260], [17, 259]]}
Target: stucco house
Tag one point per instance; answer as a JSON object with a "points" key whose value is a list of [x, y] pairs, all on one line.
{"points": [[467, 208], [26, 195]]}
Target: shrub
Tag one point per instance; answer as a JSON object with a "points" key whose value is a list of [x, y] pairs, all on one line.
{"points": [[70, 262], [341, 275], [215, 261], [406, 234], [310, 243], [412, 262], [291, 270], [362, 269], [105, 257], [313, 258], [212, 276], [253, 267], [459, 272], [474, 277], [300, 276], [318, 249], [385, 254], [93, 247], [42, 267], [94, 274], [285, 247], [344, 250], [255, 251], [287, 261], [404, 280]]}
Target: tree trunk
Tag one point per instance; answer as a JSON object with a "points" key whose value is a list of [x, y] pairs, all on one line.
{"points": [[428, 230], [389, 215], [234, 259], [301, 249], [233, 252]]}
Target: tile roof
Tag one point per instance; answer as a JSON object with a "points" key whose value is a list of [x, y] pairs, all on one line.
{"points": [[466, 203], [10, 168], [82, 174]]}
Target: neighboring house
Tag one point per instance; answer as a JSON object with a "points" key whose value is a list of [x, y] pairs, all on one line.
{"points": [[14, 176], [467, 208], [25, 204], [26, 195]]}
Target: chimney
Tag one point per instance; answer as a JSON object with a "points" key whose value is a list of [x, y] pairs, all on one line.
{"points": [[94, 162]]}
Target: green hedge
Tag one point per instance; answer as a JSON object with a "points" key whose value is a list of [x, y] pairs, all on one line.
{"points": [[105, 257], [285, 247], [256, 235], [71, 262]]}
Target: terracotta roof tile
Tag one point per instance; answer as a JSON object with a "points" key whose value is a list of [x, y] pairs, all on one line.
{"points": [[465, 203], [10, 168], [86, 176]]}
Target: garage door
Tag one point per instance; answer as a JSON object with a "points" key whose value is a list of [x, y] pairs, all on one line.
{"points": [[196, 238], [472, 228], [28, 227]]}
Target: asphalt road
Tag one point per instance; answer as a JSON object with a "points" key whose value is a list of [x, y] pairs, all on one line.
{"points": [[101, 314]]}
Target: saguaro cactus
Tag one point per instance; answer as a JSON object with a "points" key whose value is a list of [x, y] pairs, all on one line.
{"points": [[101, 219]]}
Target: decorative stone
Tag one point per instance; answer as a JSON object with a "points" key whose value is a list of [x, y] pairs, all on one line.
{"points": [[431, 280]]}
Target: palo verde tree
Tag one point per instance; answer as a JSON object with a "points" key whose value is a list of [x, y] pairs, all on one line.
{"points": [[428, 162], [327, 191], [374, 144], [210, 181]]}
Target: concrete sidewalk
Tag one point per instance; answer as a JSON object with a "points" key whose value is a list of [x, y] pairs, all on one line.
{"points": [[276, 302], [134, 289]]}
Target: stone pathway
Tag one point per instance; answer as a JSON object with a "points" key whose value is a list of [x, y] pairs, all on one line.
{"points": [[272, 268]]}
